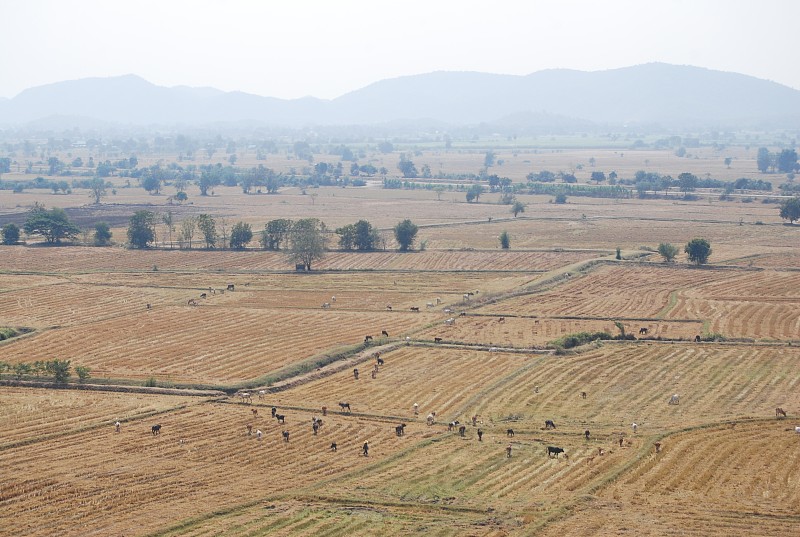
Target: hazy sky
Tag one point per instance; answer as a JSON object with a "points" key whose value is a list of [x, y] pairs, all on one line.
{"points": [[325, 48]]}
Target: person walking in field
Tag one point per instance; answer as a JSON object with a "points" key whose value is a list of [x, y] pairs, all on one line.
{"points": [[480, 435], [366, 449], [117, 426], [508, 451], [416, 409]]}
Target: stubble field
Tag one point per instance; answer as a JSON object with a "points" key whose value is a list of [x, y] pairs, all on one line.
{"points": [[725, 464]]}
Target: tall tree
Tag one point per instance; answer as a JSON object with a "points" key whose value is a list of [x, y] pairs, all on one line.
{"points": [[241, 234], [763, 159], [208, 227], [97, 189], [787, 161], [188, 226], [307, 241], [790, 209], [53, 225], [698, 250], [687, 182], [10, 233], [102, 234], [142, 229], [404, 233], [275, 233], [667, 251]]}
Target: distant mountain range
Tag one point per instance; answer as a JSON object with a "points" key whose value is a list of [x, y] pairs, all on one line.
{"points": [[655, 93]]}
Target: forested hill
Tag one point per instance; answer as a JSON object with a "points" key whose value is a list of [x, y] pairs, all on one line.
{"points": [[656, 93]]}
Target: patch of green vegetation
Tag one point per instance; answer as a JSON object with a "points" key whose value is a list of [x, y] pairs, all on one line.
{"points": [[582, 338]]}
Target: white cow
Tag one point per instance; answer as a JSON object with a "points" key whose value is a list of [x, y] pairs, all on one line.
{"points": [[675, 399]]}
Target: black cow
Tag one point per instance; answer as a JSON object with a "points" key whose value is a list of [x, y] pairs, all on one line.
{"points": [[333, 446], [384, 333], [400, 430], [344, 406], [286, 436], [155, 429], [230, 287], [552, 450], [281, 418], [437, 340], [510, 433], [274, 411], [548, 424]]}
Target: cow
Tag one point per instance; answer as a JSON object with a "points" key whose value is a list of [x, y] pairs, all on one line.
{"points": [[414, 308], [583, 395], [450, 321], [674, 400], [315, 427], [259, 434], [501, 320], [285, 436], [333, 446], [697, 339], [384, 333], [281, 418], [462, 431], [510, 433], [437, 340], [261, 394], [367, 339], [388, 307], [634, 426], [155, 429], [429, 305], [117, 426], [797, 430], [192, 302], [344, 406], [379, 360], [431, 419], [255, 412], [452, 425], [552, 450], [149, 306], [274, 411], [203, 295], [400, 430], [549, 424], [355, 373], [780, 412], [326, 305], [586, 434], [643, 331], [230, 287], [657, 445]]}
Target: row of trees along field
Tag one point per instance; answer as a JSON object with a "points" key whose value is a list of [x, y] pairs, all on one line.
{"points": [[59, 370], [304, 240]]}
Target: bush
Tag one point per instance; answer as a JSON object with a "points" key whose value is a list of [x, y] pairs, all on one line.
{"points": [[150, 383], [82, 372], [561, 198], [505, 240]]}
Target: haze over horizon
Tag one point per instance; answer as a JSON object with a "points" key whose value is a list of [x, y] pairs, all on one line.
{"points": [[323, 49]]}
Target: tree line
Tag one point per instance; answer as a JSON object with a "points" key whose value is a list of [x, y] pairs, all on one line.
{"points": [[59, 370]]}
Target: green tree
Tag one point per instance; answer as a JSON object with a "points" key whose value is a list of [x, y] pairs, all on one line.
{"points": [[407, 167], [83, 372], [668, 251], [241, 234], [763, 159], [474, 192], [60, 369], [598, 177], [188, 226], [54, 165], [181, 196], [53, 225], [698, 250], [347, 236], [404, 233], [98, 189], [307, 241], [517, 207], [489, 159], [787, 161], [208, 179], [687, 182], [366, 236], [208, 227], [790, 209], [275, 233], [142, 229], [505, 240], [102, 234], [10, 233], [152, 183], [169, 223], [561, 198]]}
